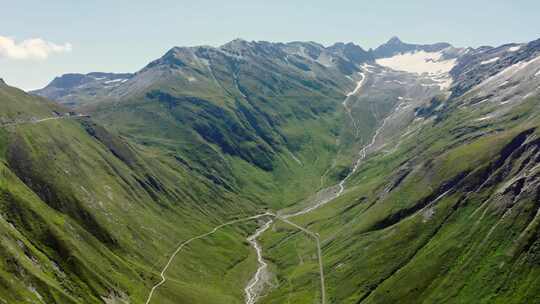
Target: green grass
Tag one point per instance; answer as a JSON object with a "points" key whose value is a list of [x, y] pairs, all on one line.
{"points": [[119, 203], [86, 215], [378, 249]]}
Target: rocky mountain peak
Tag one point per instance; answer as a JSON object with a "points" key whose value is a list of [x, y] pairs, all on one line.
{"points": [[237, 44], [394, 40], [351, 51], [395, 46]]}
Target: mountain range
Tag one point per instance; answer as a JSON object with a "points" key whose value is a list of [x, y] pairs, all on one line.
{"points": [[260, 172]]}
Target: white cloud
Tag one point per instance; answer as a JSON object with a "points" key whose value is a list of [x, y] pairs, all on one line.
{"points": [[35, 48]]}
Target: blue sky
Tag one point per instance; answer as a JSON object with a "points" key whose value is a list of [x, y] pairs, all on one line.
{"points": [[122, 36]]}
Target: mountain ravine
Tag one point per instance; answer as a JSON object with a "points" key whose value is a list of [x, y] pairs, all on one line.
{"points": [[261, 172]]}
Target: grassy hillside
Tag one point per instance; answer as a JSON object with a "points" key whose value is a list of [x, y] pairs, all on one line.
{"points": [[88, 217], [256, 129], [449, 214], [242, 115]]}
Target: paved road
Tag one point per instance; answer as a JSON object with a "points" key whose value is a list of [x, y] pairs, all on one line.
{"points": [[30, 121], [185, 243], [319, 253], [256, 285], [253, 288]]}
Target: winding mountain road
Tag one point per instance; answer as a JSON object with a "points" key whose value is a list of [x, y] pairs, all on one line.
{"points": [[254, 287], [185, 243], [36, 121], [256, 284], [319, 253]]}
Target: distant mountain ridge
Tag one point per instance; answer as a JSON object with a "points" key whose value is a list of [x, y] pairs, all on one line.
{"points": [[69, 89], [395, 46], [76, 89], [344, 56], [188, 64]]}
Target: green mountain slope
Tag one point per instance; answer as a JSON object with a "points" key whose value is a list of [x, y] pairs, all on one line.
{"points": [[444, 210], [88, 217], [262, 118], [442, 207]]}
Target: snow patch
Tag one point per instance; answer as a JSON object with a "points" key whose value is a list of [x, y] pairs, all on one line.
{"points": [[428, 214], [489, 60], [514, 48], [419, 62], [120, 80], [484, 118], [429, 84], [505, 102], [503, 83], [537, 74], [510, 71], [396, 81], [368, 67], [325, 60], [481, 101], [431, 64]]}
